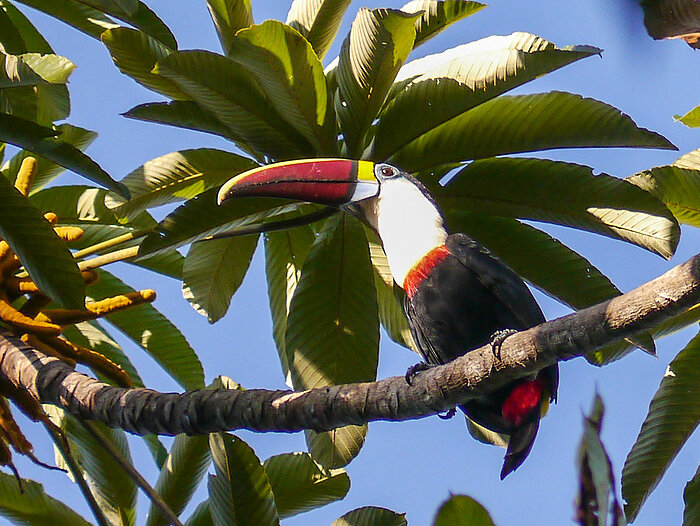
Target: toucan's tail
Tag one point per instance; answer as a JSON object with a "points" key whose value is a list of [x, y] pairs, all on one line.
{"points": [[520, 444]]}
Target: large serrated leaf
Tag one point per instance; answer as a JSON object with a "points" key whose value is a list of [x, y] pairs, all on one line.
{"points": [[213, 272], [318, 21], [678, 188], [32, 69], [285, 253], [153, 332], [136, 54], [41, 141], [181, 113], [691, 497], [177, 176], [82, 17], [182, 472], [242, 493], [229, 16], [31, 506], [438, 14], [332, 332], [371, 516], [228, 91], [299, 484], [460, 510], [47, 171], [674, 413], [371, 56], [525, 123], [442, 86], [291, 76], [114, 490], [562, 193], [44, 255]]}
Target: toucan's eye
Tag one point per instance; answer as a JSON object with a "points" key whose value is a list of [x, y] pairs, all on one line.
{"points": [[387, 171]]}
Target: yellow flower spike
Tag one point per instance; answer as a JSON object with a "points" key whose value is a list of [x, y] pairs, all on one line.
{"points": [[4, 250], [51, 218], [64, 316], [18, 320], [25, 175], [46, 348], [69, 233], [96, 309], [19, 286]]}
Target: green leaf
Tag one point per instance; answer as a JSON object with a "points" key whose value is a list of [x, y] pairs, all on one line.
{"points": [[32, 506], [691, 497], [228, 91], [240, 492], [153, 332], [41, 104], [562, 193], [371, 56], [285, 252], [525, 123], [596, 482], [84, 207], [182, 472], [290, 74], [40, 140], [177, 176], [229, 16], [135, 54], [371, 516], [31, 69], [615, 351], [181, 113], [112, 487], [678, 188], [437, 15], [47, 171], [86, 19], [674, 413], [442, 86], [18, 33], [201, 217], [332, 331], [201, 516], [690, 119], [318, 21], [460, 510], [213, 272], [45, 256], [299, 484]]}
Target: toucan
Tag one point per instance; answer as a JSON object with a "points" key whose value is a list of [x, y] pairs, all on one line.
{"points": [[458, 295]]}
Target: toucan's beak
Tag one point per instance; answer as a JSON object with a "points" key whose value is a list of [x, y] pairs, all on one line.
{"points": [[332, 182]]}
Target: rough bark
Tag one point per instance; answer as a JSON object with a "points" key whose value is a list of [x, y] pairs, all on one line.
{"points": [[437, 389]]}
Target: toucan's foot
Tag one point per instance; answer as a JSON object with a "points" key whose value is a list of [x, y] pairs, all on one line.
{"points": [[412, 371], [447, 415], [497, 339]]}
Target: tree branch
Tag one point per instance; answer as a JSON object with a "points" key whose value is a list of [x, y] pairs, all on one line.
{"points": [[145, 411]]}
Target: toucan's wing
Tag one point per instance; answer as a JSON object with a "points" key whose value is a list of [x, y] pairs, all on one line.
{"points": [[425, 347], [507, 287]]}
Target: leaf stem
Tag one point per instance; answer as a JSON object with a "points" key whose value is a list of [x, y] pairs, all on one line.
{"points": [[136, 234], [112, 257]]}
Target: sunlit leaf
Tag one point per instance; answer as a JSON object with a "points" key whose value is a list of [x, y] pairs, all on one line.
{"points": [[31, 69], [45, 256], [82, 17], [690, 119], [562, 193], [240, 492], [371, 56], [438, 15], [213, 272], [177, 176], [525, 123], [229, 16], [460, 510], [181, 113], [674, 413], [371, 516], [299, 484], [672, 19], [445, 85], [318, 21]]}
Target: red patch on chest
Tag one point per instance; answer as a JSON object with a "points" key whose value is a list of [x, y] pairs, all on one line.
{"points": [[522, 400], [421, 270]]}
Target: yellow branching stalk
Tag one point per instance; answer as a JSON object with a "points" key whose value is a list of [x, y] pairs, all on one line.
{"points": [[10, 315], [48, 349], [25, 175], [96, 309], [18, 286], [69, 233], [51, 218], [5, 251]]}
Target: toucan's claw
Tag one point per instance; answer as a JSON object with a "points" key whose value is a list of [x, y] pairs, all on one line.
{"points": [[497, 339], [447, 415], [412, 371]]}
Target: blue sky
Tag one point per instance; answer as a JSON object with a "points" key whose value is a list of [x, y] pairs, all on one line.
{"points": [[412, 466]]}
